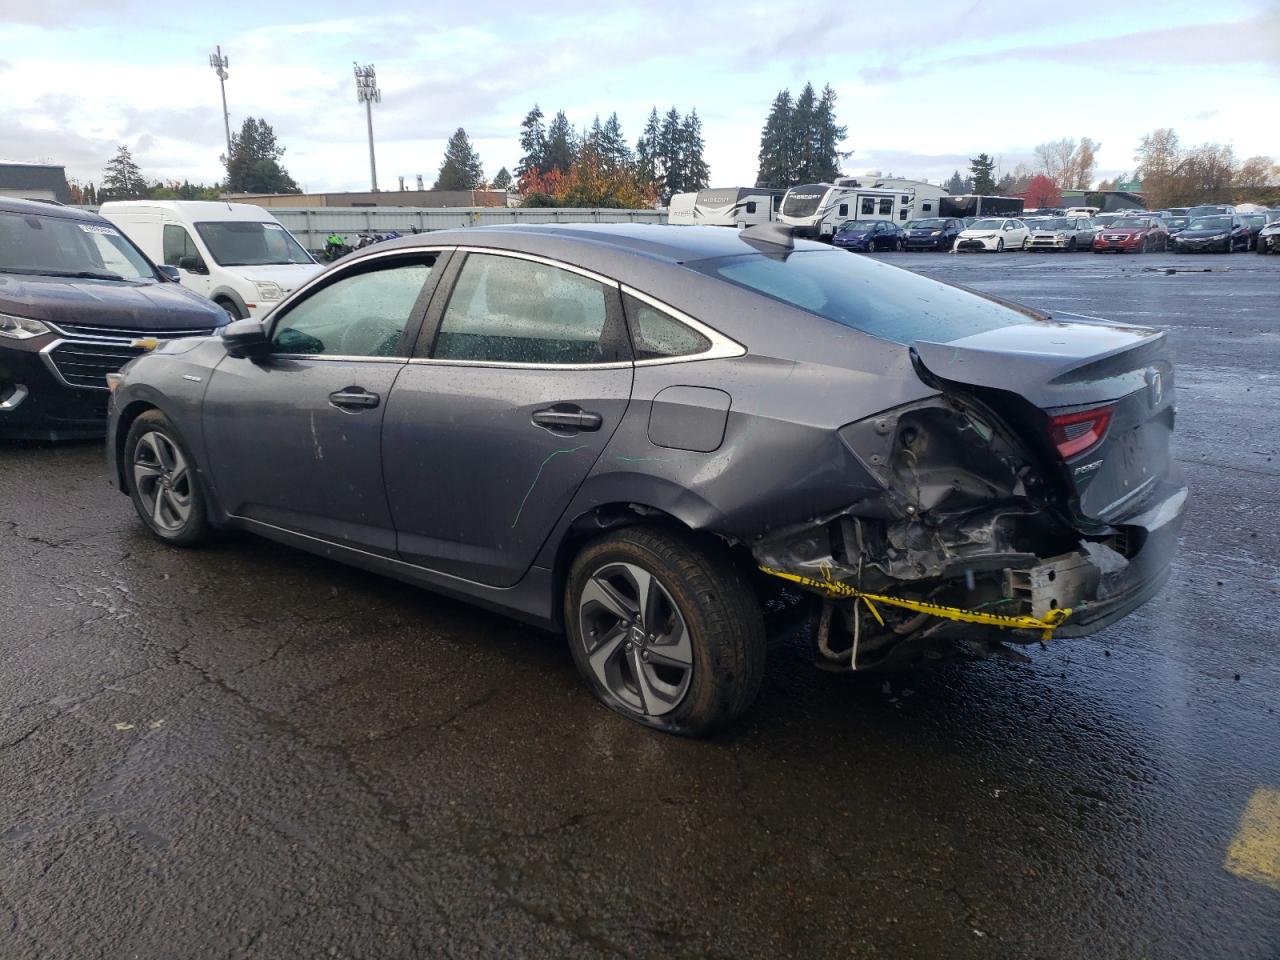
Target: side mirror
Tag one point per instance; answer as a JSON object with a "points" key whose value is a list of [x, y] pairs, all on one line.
{"points": [[169, 273], [192, 265], [246, 339]]}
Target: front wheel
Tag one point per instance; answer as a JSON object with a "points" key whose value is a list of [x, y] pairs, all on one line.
{"points": [[664, 631], [1000, 245], [163, 482]]}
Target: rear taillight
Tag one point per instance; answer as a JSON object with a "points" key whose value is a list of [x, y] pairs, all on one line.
{"points": [[1074, 433]]}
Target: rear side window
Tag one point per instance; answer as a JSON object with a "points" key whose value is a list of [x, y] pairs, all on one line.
{"points": [[658, 335], [509, 310], [865, 294], [178, 244]]}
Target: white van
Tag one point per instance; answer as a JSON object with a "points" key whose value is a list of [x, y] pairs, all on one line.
{"points": [[236, 254]]}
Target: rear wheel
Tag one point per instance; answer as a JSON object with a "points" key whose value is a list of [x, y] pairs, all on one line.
{"points": [[163, 482], [664, 631]]}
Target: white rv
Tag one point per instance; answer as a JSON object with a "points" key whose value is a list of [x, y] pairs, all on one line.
{"points": [[736, 206], [926, 196], [818, 209], [680, 208]]}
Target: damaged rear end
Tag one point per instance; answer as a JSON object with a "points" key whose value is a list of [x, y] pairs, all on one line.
{"points": [[1036, 486]]}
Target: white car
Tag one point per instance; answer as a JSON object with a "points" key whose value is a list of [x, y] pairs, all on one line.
{"points": [[994, 233], [236, 254]]}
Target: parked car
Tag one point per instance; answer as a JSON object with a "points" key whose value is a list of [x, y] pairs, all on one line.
{"points": [[1132, 235], [868, 235], [1179, 211], [1104, 220], [633, 433], [935, 234], [1210, 210], [993, 233], [236, 254], [1175, 225], [77, 301], [1254, 222], [1061, 233], [1269, 238], [1221, 233]]}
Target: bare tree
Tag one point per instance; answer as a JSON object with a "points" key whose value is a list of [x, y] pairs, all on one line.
{"points": [[1083, 163], [1053, 159], [1257, 172]]}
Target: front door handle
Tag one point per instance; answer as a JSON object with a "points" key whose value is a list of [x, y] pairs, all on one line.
{"points": [[354, 398], [567, 418]]}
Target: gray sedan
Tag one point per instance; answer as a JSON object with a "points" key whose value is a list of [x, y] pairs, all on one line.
{"points": [[1061, 233], [654, 438]]}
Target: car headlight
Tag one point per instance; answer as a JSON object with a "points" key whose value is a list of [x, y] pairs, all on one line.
{"points": [[936, 233], [21, 328], [268, 290], [1219, 236]]}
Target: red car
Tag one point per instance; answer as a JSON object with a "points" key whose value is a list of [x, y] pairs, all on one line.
{"points": [[1132, 235]]}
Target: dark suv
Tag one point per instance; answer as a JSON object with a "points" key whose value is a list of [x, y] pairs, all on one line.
{"points": [[77, 301]]}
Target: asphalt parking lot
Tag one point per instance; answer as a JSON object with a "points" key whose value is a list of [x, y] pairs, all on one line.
{"points": [[245, 751]]}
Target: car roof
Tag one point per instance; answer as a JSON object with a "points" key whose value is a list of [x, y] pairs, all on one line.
{"points": [[43, 209], [599, 242]]}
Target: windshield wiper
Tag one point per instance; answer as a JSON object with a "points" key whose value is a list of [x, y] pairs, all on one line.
{"points": [[76, 274]]}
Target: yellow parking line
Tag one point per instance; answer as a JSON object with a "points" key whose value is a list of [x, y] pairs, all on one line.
{"points": [[1254, 854]]}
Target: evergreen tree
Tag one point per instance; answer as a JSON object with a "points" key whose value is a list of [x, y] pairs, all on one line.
{"points": [[561, 145], [827, 137], [502, 180], [670, 155], [982, 167], [955, 186], [694, 170], [254, 165], [122, 179], [775, 144], [613, 145], [533, 141], [647, 148], [461, 168], [801, 137]]}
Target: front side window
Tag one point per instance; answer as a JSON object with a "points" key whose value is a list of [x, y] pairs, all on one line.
{"points": [[510, 310], [359, 315], [64, 247], [178, 244], [751, 206], [843, 211], [656, 334]]}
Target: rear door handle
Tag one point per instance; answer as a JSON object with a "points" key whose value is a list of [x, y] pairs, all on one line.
{"points": [[567, 419], [354, 398]]}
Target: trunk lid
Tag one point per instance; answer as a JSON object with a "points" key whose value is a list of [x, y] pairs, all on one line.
{"points": [[1047, 376]]}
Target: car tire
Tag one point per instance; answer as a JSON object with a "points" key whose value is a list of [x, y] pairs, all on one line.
{"points": [[1000, 245], [230, 309], [1071, 245], [1026, 243], [691, 660], [164, 482]]}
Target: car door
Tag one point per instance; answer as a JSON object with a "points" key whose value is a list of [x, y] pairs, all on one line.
{"points": [[295, 439], [519, 379]]}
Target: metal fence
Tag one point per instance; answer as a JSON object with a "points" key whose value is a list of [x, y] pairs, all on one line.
{"points": [[311, 225]]}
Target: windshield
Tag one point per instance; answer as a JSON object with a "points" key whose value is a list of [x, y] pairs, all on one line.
{"points": [[1133, 223], [1179, 221], [927, 224], [1254, 219], [1206, 210], [986, 225], [1057, 224], [62, 247], [1105, 219], [1210, 223], [859, 226], [250, 243], [872, 297], [803, 201]]}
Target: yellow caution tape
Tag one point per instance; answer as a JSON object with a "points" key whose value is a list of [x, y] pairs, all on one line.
{"points": [[832, 588]]}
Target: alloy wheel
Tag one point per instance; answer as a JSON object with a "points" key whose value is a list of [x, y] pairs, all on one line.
{"points": [[163, 481], [635, 638]]}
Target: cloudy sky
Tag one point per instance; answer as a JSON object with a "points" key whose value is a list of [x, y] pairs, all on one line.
{"points": [[922, 85]]}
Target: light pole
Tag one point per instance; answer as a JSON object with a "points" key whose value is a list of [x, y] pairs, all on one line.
{"points": [[220, 64], [367, 92]]}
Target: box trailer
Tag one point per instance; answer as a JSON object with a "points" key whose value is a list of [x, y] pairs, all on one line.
{"points": [[736, 206], [974, 205]]}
